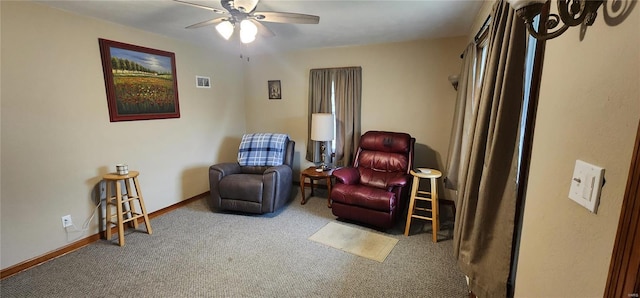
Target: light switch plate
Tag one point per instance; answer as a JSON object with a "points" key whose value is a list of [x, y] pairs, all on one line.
{"points": [[586, 184]]}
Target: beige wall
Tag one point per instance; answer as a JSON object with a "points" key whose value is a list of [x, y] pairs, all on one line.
{"points": [[589, 110], [404, 88], [57, 140]]}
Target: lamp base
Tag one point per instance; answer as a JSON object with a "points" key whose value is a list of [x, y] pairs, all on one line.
{"points": [[322, 168]]}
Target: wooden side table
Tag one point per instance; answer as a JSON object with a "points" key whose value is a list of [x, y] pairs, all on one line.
{"points": [[430, 214], [124, 206], [312, 174]]}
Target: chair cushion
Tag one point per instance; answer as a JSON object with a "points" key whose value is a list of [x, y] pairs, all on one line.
{"points": [[363, 196], [383, 161], [384, 141], [380, 179], [257, 170], [383, 158], [245, 187]]}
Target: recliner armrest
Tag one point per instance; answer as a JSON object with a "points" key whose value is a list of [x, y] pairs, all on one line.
{"points": [[397, 182], [347, 175], [226, 169], [279, 168], [276, 180]]}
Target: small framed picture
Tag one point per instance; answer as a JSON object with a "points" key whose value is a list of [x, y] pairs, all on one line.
{"points": [[275, 91], [203, 82]]}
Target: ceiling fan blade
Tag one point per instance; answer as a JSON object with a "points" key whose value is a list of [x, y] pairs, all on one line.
{"points": [[246, 5], [286, 17], [206, 23], [263, 30], [201, 6]]}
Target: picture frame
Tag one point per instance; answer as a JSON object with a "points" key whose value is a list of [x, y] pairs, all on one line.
{"points": [[203, 82], [140, 82], [274, 89]]}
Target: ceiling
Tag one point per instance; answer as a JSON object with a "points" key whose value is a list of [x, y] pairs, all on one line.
{"points": [[342, 23]]}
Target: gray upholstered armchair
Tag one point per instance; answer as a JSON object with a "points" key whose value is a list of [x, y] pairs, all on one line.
{"points": [[252, 184]]}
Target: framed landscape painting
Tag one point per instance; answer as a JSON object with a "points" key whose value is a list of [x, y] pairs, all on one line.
{"points": [[140, 82]]}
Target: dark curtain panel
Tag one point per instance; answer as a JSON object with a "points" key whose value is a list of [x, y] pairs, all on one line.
{"points": [[463, 118], [320, 81], [487, 191], [348, 95]]}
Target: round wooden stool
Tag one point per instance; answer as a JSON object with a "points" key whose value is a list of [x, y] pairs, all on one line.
{"points": [[431, 196], [125, 208]]}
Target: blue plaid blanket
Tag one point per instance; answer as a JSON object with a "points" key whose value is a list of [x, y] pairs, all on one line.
{"points": [[262, 149]]}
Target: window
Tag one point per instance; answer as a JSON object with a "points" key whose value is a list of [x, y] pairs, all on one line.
{"points": [[480, 61], [337, 91], [532, 74]]}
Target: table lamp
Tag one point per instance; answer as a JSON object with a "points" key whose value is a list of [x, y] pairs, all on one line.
{"points": [[322, 131]]}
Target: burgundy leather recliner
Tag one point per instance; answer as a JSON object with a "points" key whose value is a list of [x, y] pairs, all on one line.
{"points": [[375, 190]]}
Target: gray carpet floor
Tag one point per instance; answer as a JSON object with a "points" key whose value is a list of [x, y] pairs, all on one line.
{"points": [[195, 252]]}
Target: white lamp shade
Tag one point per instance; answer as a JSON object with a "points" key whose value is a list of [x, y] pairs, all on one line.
{"points": [[248, 31], [225, 29], [322, 127], [517, 4]]}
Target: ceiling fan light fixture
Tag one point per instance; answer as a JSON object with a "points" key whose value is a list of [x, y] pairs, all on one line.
{"points": [[243, 14], [248, 31], [246, 38], [225, 28]]}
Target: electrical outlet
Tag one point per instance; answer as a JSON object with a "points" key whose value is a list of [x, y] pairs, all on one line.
{"points": [[66, 221]]}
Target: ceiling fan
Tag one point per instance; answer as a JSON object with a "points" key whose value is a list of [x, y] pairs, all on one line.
{"points": [[242, 13]]}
